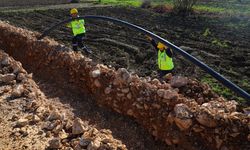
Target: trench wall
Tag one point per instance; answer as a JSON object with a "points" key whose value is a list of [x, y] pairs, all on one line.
{"points": [[160, 108], [6, 3]]}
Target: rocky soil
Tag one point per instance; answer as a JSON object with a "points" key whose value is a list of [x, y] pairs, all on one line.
{"points": [[29, 120], [181, 112], [222, 42]]}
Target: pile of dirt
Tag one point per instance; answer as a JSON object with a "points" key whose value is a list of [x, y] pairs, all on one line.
{"points": [[219, 41], [30, 121], [180, 112]]}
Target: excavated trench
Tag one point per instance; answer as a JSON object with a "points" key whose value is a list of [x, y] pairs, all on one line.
{"points": [[170, 115]]}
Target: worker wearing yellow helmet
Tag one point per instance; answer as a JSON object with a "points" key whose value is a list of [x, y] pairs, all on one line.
{"points": [[165, 61], [78, 30]]}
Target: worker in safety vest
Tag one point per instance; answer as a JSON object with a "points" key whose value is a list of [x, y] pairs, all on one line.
{"points": [[78, 30], [165, 62]]}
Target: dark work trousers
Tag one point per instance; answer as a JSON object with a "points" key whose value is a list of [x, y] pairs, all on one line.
{"points": [[77, 41], [162, 73]]}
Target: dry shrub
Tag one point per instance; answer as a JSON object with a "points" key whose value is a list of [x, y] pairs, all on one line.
{"points": [[183, 6], [162, 9]]}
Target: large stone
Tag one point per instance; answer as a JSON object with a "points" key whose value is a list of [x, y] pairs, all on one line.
{"points": [[96, 73], [55, 143], [6, 78], [17, 91], [79, 127], [178, 81], [182, 116], [206, 120], [123, 74], [170, 95]]}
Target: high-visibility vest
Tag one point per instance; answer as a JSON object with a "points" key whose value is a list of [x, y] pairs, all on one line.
{"points": [[77, 26], [164, 61]]}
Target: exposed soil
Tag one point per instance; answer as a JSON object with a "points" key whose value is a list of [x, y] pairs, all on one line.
{"points": [[31, 119], [181, 113], [115, 46], [230, 59], [68, 100]]}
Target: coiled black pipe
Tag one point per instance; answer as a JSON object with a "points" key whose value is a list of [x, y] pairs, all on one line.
{"points": [[194, 60]]}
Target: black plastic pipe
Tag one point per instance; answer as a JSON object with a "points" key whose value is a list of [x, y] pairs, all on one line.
{"points": [[194, 60]]}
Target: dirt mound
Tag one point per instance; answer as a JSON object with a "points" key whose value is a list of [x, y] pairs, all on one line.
{"points": [[220, 41], [30, 121], [161, 108]]}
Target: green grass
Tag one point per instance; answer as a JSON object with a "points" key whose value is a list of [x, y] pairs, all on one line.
{"points": [[221, 90], [208, 8], [225, 6], [219, 6], [135, 3]]}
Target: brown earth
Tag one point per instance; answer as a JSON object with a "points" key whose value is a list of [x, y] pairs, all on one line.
{"points": [[31, 120], [72, 101], [122, 47], [194, 118]]}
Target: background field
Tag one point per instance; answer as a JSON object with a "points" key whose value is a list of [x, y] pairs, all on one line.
{"points": [[216, 33]]}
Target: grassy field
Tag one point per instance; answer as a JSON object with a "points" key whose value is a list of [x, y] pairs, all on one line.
{"points": [[220, 6]]}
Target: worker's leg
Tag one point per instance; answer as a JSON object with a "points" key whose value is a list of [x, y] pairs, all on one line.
{"points": [[80, 39], [81, 45], [74, 43]]}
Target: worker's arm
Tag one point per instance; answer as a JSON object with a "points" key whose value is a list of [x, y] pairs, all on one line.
{"points": [[154, 44], [169, 52]]}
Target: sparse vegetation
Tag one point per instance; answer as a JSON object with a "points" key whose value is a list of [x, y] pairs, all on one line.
{"points": [[221, 90], [183, 6]]}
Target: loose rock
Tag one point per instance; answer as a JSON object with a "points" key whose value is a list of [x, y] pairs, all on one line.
{"points": [[7, 78], [78, 126], [55, 143]]}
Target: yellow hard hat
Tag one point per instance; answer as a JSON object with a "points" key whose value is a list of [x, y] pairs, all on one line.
{"points": [[73, 11], [161, 46]]}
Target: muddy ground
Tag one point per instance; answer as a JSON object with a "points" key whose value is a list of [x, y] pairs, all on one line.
{"points": [[222, 42]]}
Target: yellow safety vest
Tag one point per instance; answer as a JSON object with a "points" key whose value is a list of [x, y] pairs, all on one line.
{"points": [[77, 26], [164, 61]]}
